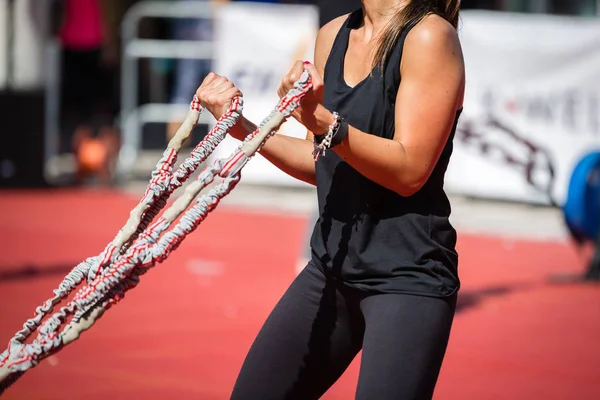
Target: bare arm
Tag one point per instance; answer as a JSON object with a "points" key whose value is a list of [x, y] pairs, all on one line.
{"points": [[289, 154], [428, 98], [293, 155], [429, 95]]}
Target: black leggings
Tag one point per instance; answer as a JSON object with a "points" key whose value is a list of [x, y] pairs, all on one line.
{"points": [[319, 326]]}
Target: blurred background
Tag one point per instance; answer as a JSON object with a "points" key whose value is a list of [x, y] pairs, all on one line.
{"points": [[92, 90]]}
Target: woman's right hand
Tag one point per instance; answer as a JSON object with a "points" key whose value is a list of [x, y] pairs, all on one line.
{"points": [[216, 94]]}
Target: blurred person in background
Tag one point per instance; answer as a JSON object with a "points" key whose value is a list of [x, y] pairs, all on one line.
{"points": [[383, 276], [87, 109]]}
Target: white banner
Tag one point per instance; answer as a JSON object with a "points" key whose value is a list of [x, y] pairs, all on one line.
{"points": [[532, 106], [257, 44]]}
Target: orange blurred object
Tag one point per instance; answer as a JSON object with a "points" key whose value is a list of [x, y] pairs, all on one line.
{"points": [[91, 154]]}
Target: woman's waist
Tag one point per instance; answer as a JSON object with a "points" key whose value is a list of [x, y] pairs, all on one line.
{"points": [[351, 195], [382, 211], [411, 261], [410, 236]]}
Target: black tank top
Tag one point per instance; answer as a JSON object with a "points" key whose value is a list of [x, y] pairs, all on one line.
{"points": [[367, 236]]}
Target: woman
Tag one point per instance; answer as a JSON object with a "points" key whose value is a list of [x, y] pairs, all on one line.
{"points": [[87, 50], [383, 274]]}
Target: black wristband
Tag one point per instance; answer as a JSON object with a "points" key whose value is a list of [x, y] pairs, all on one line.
{"points": [[318, 138], [340, 134]]}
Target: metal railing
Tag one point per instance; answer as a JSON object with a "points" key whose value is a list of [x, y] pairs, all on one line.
{"points": [[134, 116]]}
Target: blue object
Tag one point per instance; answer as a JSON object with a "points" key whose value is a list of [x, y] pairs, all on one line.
{"points": [[582, 208]]}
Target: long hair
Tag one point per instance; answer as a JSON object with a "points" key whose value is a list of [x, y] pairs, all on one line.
{"points": [[412, 13]]}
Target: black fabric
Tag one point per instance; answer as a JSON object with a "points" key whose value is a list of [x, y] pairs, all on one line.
{"points": [[80, 82], [331, 9], [319, 326], [367, 236], [340, 134]]}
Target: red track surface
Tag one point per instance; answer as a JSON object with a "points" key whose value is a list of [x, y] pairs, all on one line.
{"points": [[184, 331]]}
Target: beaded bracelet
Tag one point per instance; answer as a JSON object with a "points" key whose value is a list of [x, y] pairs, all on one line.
{"points": [[334, 136]]}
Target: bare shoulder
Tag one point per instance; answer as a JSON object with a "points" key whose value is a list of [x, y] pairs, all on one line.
{"points": [[325, 39], [435, 33], [331, 28], [432, 55]]}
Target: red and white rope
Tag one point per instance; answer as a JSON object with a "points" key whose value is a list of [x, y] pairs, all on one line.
{"points": [[162, 184], [140, 244]]}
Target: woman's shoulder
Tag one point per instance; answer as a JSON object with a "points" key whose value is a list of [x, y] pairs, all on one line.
{"points": [[432, 41], [432, 30], [326, 38], [432, 48]]}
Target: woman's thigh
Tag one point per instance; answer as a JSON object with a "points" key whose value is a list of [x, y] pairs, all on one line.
{"points": [[404, 345], [307, 342]]}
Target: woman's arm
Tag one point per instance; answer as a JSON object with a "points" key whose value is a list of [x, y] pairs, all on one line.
{"points": [[291, 155], [429, 95]]}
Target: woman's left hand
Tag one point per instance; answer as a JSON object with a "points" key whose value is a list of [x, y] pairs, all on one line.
{"points": [[311, 113]]}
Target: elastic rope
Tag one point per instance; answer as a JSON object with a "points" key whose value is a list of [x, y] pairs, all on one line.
{"points": [[119, 267]]}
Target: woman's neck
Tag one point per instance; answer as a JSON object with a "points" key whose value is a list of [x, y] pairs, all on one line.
{"points": [[377, 14]]}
